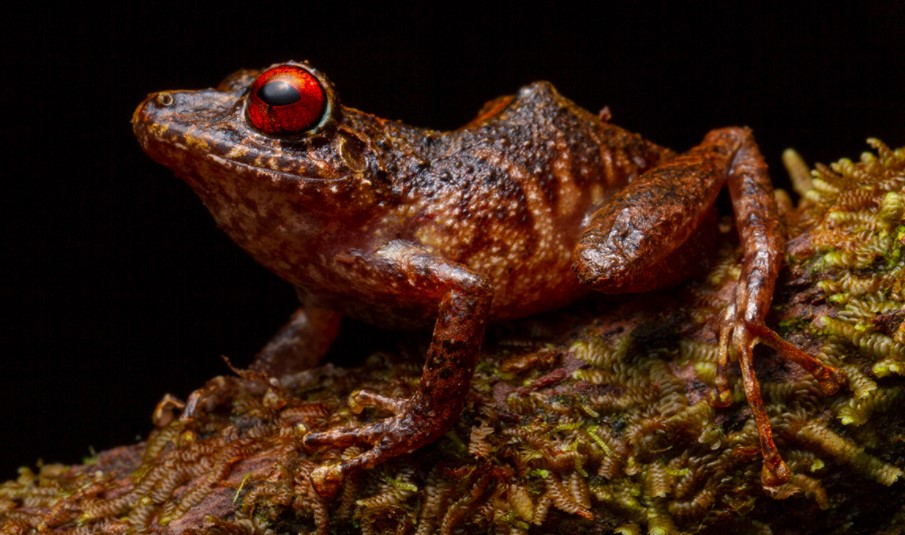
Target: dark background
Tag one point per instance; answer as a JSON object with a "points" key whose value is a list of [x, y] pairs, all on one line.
{"points": [[117, 287]]}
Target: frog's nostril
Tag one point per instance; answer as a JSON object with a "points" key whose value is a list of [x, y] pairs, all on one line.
{"points": [[164, 99]]}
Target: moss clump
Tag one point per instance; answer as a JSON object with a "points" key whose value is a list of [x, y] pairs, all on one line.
{"points": [[592, 419]]}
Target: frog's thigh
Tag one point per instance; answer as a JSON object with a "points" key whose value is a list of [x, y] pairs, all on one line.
{"points": [[692, 258], [654, 232]]}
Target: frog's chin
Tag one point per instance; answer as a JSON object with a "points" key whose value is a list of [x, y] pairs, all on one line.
{"points": [[263, 173]]}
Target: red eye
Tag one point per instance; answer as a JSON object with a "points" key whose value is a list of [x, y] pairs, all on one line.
{"points": [[285, 100]]}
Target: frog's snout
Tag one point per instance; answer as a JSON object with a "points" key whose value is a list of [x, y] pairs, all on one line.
{"points": [[180, 119], [185, 108], [164, 99], [143, 116], [146, 115]]}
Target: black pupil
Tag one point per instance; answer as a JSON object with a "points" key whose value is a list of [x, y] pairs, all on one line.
{"points": [[279, 93]]}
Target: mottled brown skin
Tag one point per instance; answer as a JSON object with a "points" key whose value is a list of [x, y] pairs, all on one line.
{"points": [[404, 226]]}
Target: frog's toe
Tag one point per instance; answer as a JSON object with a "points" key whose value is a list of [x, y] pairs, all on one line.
{"points": [[774, 472], [328, 478], [833, 381], [362, 399], [347, 436], [216, 393]]}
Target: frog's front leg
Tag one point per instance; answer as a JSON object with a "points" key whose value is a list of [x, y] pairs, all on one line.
{"points": [[462, 299], [301, 343], [639, 242]]}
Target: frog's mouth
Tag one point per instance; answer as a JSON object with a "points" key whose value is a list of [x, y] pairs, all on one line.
{"points": [[266, 172]]}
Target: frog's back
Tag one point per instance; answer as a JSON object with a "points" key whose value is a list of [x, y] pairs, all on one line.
{"points": [[509, 193]]}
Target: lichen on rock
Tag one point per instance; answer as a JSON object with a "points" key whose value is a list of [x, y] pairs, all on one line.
{"points": [[593, 419]]}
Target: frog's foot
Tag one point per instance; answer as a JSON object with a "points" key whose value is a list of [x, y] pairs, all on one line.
{"points": [[743, 336], [415, 424], [215, 393], [222, 390]]}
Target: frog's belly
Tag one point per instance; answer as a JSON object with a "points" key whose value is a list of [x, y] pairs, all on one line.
{"points": [[518, 295], [528, 292]]}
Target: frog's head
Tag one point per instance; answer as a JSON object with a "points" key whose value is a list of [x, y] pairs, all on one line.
{"points": [[282, 126], [267, 152]]}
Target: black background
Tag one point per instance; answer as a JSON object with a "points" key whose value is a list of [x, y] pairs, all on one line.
{"points": [[117, 287]]}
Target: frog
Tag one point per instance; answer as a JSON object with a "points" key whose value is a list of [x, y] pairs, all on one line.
{"points": [[533, 204]]}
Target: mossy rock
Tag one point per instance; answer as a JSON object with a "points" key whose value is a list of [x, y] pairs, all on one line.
{"points": [[592, 419]]}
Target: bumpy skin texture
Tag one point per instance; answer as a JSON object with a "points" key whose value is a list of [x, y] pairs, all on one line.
{"points": [[403, 226]]}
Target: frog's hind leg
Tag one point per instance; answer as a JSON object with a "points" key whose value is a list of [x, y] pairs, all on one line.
{"points": [[744, 325], [636, 241], [653, 233]]}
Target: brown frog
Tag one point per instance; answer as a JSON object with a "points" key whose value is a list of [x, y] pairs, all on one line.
{"points": [[529, 206]]}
